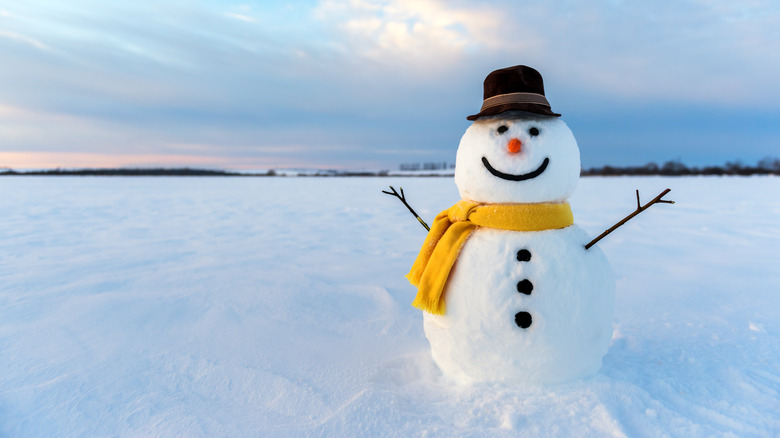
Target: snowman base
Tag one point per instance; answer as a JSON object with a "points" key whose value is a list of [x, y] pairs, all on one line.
{"points": [[563, 296]]}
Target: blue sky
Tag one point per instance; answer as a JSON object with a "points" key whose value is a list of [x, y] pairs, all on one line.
{"points": [[377, 83]]}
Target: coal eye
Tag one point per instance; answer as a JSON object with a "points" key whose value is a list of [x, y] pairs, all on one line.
{"points": [[502, 129], [534, 132]]}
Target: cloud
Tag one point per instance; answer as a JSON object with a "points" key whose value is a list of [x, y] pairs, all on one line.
{"points": [[240, 17], [416, 32], [718, 52], [25, 39]]}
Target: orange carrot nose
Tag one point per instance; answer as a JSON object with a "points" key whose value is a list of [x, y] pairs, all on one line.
{"points": [[514, 146]]}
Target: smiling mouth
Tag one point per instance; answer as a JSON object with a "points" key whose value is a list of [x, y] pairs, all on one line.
{"points": [[511, 177]]}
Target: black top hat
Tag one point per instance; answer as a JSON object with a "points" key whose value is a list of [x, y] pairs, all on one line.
{"points": [[514, 88]]}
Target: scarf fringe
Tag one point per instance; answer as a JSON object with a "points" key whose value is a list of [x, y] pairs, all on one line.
{"points": [[431, 304]]}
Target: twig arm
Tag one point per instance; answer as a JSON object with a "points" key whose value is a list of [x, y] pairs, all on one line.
{"points": [[403, 199], [639, 208]]}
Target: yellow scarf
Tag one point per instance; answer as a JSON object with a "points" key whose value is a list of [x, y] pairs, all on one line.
{"points": [[453, 226]]}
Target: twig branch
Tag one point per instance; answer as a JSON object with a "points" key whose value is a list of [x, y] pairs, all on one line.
{"points": [[639, 208], [403, 199]]}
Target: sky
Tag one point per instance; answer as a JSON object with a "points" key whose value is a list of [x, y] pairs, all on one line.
{"points": [[377, 83]]}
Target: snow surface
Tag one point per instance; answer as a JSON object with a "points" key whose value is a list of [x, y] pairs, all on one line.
{"points": [[277, 307]]}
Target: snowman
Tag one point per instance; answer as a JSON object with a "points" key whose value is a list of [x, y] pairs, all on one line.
{"points": [[509, 290]]}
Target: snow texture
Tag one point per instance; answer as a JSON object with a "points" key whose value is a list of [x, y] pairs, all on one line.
{"points": [[277, 307]]}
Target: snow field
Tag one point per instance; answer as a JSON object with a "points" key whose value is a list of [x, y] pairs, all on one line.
{"points": [[277, 307]]}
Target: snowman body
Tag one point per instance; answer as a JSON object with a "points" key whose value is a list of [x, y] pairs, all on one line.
{"points": [[522, 306], [565, 290]]}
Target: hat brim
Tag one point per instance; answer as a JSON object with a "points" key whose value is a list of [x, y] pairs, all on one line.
{"points": [[528, 107]]}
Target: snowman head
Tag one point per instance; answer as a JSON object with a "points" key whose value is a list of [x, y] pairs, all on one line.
{"points": [[517, 157]]}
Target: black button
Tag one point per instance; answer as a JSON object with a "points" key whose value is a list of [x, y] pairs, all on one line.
{"points": [[523, 319], [525, 287], [523, 255]]}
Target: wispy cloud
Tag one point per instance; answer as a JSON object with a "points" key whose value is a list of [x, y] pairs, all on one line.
{"points": [[240, 17], [24, 39]]}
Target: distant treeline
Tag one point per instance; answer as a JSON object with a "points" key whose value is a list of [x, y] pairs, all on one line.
{"points": [[426, 166], [766, 166], [184, 171]]}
